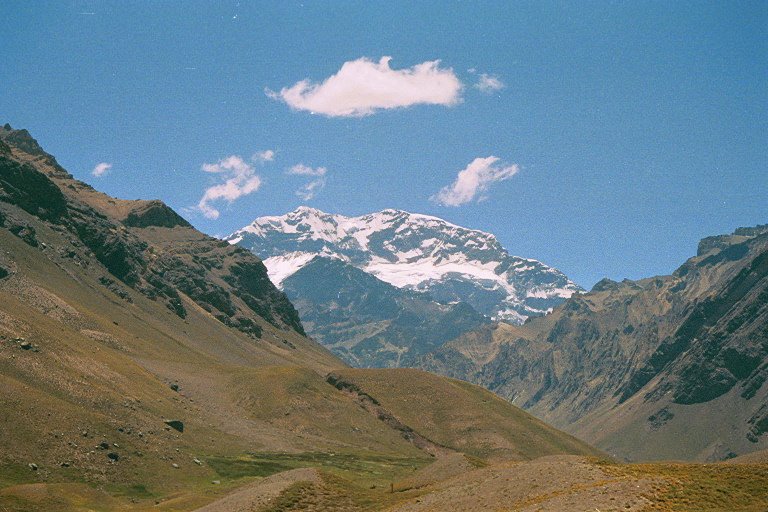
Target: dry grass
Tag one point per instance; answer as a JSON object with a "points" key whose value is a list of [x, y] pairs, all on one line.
{"points": [[702, 487], [462, 416]]}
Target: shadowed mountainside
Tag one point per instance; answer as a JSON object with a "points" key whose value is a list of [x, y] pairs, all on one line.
{"points": [[370, 323]]}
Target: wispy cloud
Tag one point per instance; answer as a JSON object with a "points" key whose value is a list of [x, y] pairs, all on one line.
{"points": [[474, 180], [267, 155], [101, 169], [239, 179], [304, 170], [362, 87], [488, 83], [311, 189]]}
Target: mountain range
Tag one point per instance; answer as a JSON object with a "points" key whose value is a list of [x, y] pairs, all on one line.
{"points": [[383, 288], [630, 366], [411, 251]]}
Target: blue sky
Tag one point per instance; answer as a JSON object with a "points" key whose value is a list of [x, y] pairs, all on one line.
{"points": [[624, 131]]}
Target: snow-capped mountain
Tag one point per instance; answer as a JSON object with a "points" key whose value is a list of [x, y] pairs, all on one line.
{"points": [[411, 251]]}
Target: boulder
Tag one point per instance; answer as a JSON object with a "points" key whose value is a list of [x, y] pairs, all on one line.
{"points": [[175, 424]]}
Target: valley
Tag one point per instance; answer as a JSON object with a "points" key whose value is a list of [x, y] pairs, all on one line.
{"points": [[147, 366]]}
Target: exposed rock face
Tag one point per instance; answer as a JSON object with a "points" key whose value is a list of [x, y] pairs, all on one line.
{"points": [[631, 365], [370, 323], [22, 185], [143, 244]]}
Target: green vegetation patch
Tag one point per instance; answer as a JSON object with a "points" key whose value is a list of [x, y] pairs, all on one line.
{"points": [[246, 467], [265, 464], [13, 474], [138, 491], [358, 481]]}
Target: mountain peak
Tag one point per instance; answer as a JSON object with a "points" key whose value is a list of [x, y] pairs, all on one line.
{"points": [[22, 140], [307, 210], [411, 250]]}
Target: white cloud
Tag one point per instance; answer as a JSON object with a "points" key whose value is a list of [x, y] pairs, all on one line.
{"points": [[488, 83], [311, 189], [101, 169], [239, 180], [362, 87], [475, 179], [304, 170], [267, 155]]}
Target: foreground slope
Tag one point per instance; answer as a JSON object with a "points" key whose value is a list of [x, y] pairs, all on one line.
{"points": [[144, 365], [666, 367]]}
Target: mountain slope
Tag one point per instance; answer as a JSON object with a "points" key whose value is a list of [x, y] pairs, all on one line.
{"points": [[666, 367], [411, 251], [370, 323], [141, 361]]}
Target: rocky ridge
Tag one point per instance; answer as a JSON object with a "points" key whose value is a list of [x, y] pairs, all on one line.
{"points": [[129, 239], [636, 367]]}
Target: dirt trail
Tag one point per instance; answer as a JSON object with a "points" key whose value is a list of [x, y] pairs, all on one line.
{"points": [[257, 495]]}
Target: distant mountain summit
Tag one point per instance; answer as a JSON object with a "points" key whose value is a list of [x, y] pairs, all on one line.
{"points": [[411, 251]]}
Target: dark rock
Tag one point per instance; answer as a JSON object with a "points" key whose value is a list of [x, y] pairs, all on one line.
{"points": [[31, 190], [154, 213], [120, 253], [23, 140], [103, 445], [174, 387], [113, 456], [752, 231], [25, 345], [116, 289], [26, 233], [658, 419], [175, 424], [605, 284]]}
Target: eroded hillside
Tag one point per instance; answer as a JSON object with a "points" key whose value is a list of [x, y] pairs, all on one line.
{"points": [[666, 367]]}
